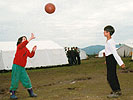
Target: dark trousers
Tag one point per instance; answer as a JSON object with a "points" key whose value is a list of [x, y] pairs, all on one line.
{"points": [[70, 60], [111, 73], [78, 58]]}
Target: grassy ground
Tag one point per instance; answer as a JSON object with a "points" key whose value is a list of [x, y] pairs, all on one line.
{"points": [[81, 82]]}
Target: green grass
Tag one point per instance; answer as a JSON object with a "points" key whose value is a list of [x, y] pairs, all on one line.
{"points": [[71, 82]]}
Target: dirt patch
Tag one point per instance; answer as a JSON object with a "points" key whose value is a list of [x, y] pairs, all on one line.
{"points": [[124, 71], [66, 82], [49, 84], [71, 88], [82, 79], [128, 70], [3, 91], [131, 70]]}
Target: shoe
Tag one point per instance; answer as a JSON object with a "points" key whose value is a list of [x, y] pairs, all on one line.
{"points": [[111, 92], [113, 95], [117, 92], [12, 95], [30, 91]]}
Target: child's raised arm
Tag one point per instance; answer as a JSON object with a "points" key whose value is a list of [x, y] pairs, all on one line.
{"points": [[34, 48], [32, 37]]}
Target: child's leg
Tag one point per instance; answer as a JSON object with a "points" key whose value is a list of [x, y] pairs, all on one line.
{"points": [[113, 81], [15, 77], [27, 83], [111, 73], [16, 71], [116, 82], [25, 80]]}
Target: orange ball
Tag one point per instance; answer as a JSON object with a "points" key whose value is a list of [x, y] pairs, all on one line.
{"points": [[50, 8]]}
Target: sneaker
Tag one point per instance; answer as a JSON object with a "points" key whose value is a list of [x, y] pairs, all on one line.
{"points": [[113, 95], [111, 92], [118, 93]]}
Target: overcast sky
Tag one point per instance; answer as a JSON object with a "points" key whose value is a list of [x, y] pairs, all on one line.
{"points": [[74, 23]]}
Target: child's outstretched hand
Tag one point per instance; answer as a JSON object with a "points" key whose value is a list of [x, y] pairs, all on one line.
{"points": [[125, 69], [123, 66], [34, 48], [32, 36]]}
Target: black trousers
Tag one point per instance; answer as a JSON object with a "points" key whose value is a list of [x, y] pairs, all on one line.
{"points": [[78, 58], [111, 73]]}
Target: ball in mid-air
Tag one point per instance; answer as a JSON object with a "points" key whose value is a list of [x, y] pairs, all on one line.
{"points": [[50, 8]]}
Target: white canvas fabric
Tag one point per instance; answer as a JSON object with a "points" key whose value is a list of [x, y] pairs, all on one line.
{"points": [[7, 53], [48, 54], [83, 54], [131, 46], [1, 61], [125, 50], [101, 53]]}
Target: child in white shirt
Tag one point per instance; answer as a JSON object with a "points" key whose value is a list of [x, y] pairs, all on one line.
{"points": [[112, 58]]}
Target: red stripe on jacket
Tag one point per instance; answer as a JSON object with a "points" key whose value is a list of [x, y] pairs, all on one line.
{"points": [[22, 53]]}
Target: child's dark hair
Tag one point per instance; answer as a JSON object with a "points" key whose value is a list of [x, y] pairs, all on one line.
{"points": [[20, 40], [110, 29]]}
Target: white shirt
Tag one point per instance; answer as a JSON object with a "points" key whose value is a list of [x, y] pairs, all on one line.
{"points": [[111, 49]]}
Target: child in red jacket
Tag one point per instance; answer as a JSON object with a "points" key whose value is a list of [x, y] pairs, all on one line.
{"points": [[18, 69]]}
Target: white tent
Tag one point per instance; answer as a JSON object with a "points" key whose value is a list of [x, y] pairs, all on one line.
{"points": [[101, 53], [48, 54], [125, 50], [131, 46], [7, 53], [83, 54]]}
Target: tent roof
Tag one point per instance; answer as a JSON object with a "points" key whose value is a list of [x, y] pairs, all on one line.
{"points": [[8, 46], [44, 45], [126, 45], [129, 45], [11, 45]]}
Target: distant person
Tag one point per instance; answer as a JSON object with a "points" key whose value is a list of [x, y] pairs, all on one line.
{"points": [[65, 50], [78, 56], [69, 56], [112, 58], [73, 56], [18, 69]]}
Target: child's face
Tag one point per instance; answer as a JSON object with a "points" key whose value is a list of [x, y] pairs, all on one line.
{"points": [[24, 39], [106, 34]]}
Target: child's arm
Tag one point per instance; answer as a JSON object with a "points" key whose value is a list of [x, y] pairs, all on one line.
{"points": [[104, 57], [34, 48], [32, 37], [32, 52], [115, 54]]}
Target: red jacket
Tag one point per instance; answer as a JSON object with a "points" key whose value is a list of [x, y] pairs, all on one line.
{"points": [[22, 53]]}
